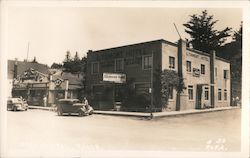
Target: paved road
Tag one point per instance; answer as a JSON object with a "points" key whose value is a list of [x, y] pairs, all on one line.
{"points": [[43, 133]]}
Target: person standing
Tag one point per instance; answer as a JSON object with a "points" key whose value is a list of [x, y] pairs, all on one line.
{"points": [[86, 103], [45, 101]]}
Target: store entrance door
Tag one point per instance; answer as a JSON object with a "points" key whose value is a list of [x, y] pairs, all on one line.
{"points": [[198, 97]]}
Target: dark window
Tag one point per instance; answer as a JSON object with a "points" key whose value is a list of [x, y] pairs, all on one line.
{"points": [[206, 93], [171, 62], [95, 68], [226, 74], [170, 92], [119, 63], [219, 94], [202, 69], [147, 62], [225, 94], [215, 71], [190, 93], [189, 66]]}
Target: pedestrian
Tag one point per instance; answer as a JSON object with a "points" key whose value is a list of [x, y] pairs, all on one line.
{"points": [[45, 101], [86, 103]]}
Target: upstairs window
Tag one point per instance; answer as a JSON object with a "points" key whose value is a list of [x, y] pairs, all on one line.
{"points": [[147, 62], [119, 65], [203, 69], [189, 66], [226, 74], [95, 67], [171, 62]]}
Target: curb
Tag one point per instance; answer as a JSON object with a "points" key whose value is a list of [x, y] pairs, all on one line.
{"points": [[148, 115], [192, 112]]}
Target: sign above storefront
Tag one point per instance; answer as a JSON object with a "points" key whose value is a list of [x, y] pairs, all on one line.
{"points": [[114, 77]]}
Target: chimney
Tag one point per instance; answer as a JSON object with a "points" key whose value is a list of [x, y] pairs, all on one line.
{"points": [[182, 47], [182, 98], [212, 76]]}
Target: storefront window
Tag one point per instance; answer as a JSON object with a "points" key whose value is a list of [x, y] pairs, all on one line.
{"points": [[206, 93], [190, 93], [119, 65], [202, 69], [171, 62], [219, 94], [147, 62], [189, 66]]}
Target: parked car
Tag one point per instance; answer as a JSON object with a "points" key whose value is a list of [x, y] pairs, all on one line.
{"points": [[16, 104], [73, 106]]}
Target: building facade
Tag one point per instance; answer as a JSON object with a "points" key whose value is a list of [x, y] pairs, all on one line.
{"points": [[35, 82], [111, 71]]}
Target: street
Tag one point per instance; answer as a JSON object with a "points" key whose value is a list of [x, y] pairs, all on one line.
{"points": [[43, 133]]}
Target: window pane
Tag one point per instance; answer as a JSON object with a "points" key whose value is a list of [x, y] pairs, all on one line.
{"points": [[188, 66], [202, 69], [147, 62]]}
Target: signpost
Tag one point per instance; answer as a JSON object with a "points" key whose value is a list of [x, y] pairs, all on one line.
{"points": [[114, 77]]}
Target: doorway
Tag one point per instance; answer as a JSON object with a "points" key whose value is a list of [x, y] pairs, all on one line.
{"points": [[198, 104]]}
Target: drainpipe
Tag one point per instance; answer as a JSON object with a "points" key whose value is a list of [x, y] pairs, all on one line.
{"points": [[212, 76]]}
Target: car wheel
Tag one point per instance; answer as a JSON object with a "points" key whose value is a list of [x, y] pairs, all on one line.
{"points": [[14, 108], [91, 112], [59, 112], [81, 113]]}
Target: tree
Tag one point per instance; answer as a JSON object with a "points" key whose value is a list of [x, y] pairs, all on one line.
{"points": [[34, 60], [237, 37], [170, 78], [68, 57], [203, 35], [76, 58], [56, 66]]}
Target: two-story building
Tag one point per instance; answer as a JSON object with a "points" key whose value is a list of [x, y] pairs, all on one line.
{"points": [[206, 77]]}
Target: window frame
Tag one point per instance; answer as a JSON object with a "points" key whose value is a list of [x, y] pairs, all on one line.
{"points": [[226, 74], [171, 62], [219, 94], [190, 95], [203, 67], [122, 64], [206, 93], [170, 92], [92, 67], [225, 94], [143, 62], [189, 69]]}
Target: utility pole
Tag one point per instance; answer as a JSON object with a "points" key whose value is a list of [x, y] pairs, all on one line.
{"points": [[177, 31], [152, 78]]}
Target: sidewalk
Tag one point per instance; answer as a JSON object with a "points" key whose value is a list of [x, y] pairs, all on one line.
{"points": [[153, 115]]}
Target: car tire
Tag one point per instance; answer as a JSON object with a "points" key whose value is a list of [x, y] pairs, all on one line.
{"points": [[59, 112], [14, 108], [81, 113]]}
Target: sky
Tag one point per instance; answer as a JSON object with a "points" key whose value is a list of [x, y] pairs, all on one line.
{"points": [[51, 31]]}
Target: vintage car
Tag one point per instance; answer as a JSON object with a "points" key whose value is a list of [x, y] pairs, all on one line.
{"points": [[73, 106], [16, 104]]}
